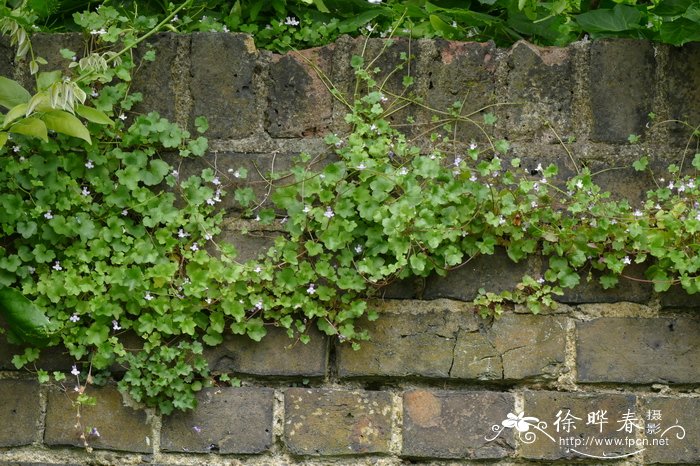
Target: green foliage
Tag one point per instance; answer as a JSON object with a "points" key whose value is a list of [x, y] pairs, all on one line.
{"points": [[285, 24], [105, 242]]}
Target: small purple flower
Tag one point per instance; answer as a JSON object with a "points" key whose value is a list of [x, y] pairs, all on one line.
{"points": [[75, 371], [74, 318], [328, 213], [94, 432], [311, 289], [196, 429]]}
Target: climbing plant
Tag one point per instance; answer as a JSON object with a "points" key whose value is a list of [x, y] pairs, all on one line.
{"points": [[111, 252]]}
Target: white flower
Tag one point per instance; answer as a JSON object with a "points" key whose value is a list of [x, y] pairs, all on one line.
{"points": [[472, 178], [75, 371], [94, 93], [89, 164], [626, 260], [225, 29], [48, 215], [259, 305], [57, 266], [98, 32], [375, 2], [74, 318], [543, 180], [85, 191], [311, 289], [31, 269], [257, 269], [148, 296], [373, 127], [540, 280], [211, 201], [579, 184], [358, 249], [539, 167], [175, 19], [182, 233], [115, 325], [207, 237], [236, 174], [328, 213], [361, 166], [125, 212], [175, 173], [307, 209], [16, 149], [457, 161], [122, 117], [533, 204], [194, 247], [291, 21], [637, 213], [216, 181], [472, 146], [403, 171]]}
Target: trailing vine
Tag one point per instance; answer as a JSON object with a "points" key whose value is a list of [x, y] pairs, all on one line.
{"points": [[109, 251]]}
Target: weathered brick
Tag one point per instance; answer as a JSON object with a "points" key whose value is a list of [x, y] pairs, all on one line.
{"points": [[677, 297], [632, 350], [567, 423], [529, 346], [465, 72], [540, 84], [410, 338], [443, 339], [447, 424], [621, 96], [625, 291], [274, 355], [44, 45], [50, 359], [249, 246], [19, 412], [666, 442], [300, 104], [682, 80], [156, 80], [494, 273], [120, 427], [7, 54], [336, 422], [222, 84], [227, 420]]}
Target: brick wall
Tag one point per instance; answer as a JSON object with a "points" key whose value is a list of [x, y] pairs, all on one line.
{"points": [[621, 365]]}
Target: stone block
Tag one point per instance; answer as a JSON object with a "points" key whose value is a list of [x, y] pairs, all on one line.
{"points": [[50, 359], [226, 420], [626, 290], [158, 80], [443, 339], [638, 350], [223, 84], [48, 46], [672, 430], [250, 245], [573, 422], [460, 71], [447, 424], [676, 297], [7, 55], [336, 422], [621, 95], [120, 427], [19, 411], [410, 338], [540, 87], [274, 355], [682, 80], [529, 346], [299, 103], [494, 273]]}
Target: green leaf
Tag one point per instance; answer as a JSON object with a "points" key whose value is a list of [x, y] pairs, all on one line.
{"points": [[31, 127], [680, 31], [27, 321], [93, 115], [15, 112], [621, 18], [12, 94], [46, 79], [641, 164], [65, 123]]}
